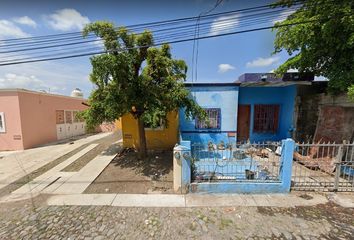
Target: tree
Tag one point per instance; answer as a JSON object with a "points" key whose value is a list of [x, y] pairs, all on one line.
{"points": [[132, 77], [324, 46]]}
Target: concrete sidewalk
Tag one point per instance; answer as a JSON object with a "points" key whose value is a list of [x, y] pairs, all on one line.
{"points": [[56, 181], [188, 200], [20, 163]]}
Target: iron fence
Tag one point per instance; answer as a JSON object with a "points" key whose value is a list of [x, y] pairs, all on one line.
{"points": [[236, 162], [323, 167]]}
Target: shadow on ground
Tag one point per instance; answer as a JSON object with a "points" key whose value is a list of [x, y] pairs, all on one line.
{"points": [[129, 174], [158, 162]]}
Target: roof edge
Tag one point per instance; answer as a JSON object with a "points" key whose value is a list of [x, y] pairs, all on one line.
{"points": [[23, 90], [233, 84]]}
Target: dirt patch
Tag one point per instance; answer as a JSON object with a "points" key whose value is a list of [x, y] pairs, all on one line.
{"points": [[306, 196], [128, 174], [25, 179]]}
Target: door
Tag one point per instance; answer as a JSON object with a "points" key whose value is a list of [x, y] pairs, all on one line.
{"points": [[243, 122]]}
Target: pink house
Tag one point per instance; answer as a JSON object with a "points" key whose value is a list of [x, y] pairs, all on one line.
{"points": [[29, 118]]}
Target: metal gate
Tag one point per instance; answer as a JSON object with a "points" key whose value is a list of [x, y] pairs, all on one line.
{"points": [[323, 167]]}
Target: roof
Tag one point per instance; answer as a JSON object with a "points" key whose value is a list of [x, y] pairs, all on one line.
{"points": [[37, 92], [199, 84], [270, 79]]}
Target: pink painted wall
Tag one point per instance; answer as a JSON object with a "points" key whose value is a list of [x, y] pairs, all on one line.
{"points": [[11, 139], [106, 127], [38, 115]]}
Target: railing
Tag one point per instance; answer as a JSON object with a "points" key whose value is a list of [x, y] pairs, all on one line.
{"points": [[323, 167], [254, 162]]}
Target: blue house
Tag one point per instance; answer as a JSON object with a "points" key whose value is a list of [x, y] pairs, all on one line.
{"points": [[257, 107]]}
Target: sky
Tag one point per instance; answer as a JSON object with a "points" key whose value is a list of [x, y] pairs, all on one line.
{"points": [[221, 59]]}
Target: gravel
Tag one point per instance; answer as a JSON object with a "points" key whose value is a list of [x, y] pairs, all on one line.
{"points": [[26, 221]]}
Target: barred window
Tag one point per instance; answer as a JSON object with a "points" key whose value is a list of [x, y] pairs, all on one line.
{"points": [[213, 121], [266, 118], [68, 117], [60, 116]]}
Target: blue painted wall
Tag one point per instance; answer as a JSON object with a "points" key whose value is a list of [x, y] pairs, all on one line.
{"points": [[284, 96], [223, 97]]}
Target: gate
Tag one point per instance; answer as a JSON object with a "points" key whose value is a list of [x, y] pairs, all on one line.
{"points": [[323, 167]]}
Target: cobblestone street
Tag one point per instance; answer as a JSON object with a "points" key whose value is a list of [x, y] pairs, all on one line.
{"points": [[25, 221]]}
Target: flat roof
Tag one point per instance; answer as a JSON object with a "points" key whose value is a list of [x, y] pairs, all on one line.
{"points": [[200, 84], [272, 77], [37, 92]]}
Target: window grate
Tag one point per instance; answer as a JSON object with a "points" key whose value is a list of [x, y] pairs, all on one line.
{"points": [[266, 118], [213, 121]]}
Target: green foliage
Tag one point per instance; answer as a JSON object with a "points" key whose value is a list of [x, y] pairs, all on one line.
{"points": [[351, 92], [133, 77], [324, 46]]}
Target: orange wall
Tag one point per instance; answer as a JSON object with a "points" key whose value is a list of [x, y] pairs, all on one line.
{"points": [[38, 116], [165, 138], [10, 106]]}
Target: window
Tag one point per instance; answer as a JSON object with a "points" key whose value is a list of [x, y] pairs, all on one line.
{"points": [[213, 121], [2, 122], [68, 117], [75, 117], [266, 118], [60, 116]]}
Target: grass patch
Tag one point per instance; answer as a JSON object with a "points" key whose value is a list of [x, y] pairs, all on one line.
{"points": [[224, 223]]}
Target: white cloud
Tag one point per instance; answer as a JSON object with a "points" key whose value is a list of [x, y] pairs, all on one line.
{"points": [[67, 19], [224, 24], [60, 77], [9, 30], [12, 80], [225, 67], [25, 20], [262, 62], [283, 15]]}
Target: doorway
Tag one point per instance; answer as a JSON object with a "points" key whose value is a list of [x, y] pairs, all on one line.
{"points": [[243, 122]]}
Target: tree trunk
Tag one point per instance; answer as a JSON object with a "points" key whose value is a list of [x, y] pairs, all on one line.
{"points": [[142, 139]]}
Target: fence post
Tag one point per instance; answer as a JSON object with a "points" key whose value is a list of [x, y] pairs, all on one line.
{"points": [[287, 153], [182, 167], [338, 167]]}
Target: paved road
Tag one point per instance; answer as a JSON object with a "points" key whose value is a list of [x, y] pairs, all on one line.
{"points": [[26, 221]]}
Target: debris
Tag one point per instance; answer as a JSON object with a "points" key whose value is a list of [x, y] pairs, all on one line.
{"points": [[221, 145], [306, 196], [249, 174], [278, 151]]}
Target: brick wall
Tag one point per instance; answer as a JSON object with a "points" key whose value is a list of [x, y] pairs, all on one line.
{"points": [[335, 124], [322, 117]]}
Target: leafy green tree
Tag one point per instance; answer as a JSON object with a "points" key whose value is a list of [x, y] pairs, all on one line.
{"points": [[132, 77], [324, 46]]}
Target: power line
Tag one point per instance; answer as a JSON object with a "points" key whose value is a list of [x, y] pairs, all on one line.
{"points": [[153, 24], [158, 44], [42, 42], [169, 37], [163, 32]]}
